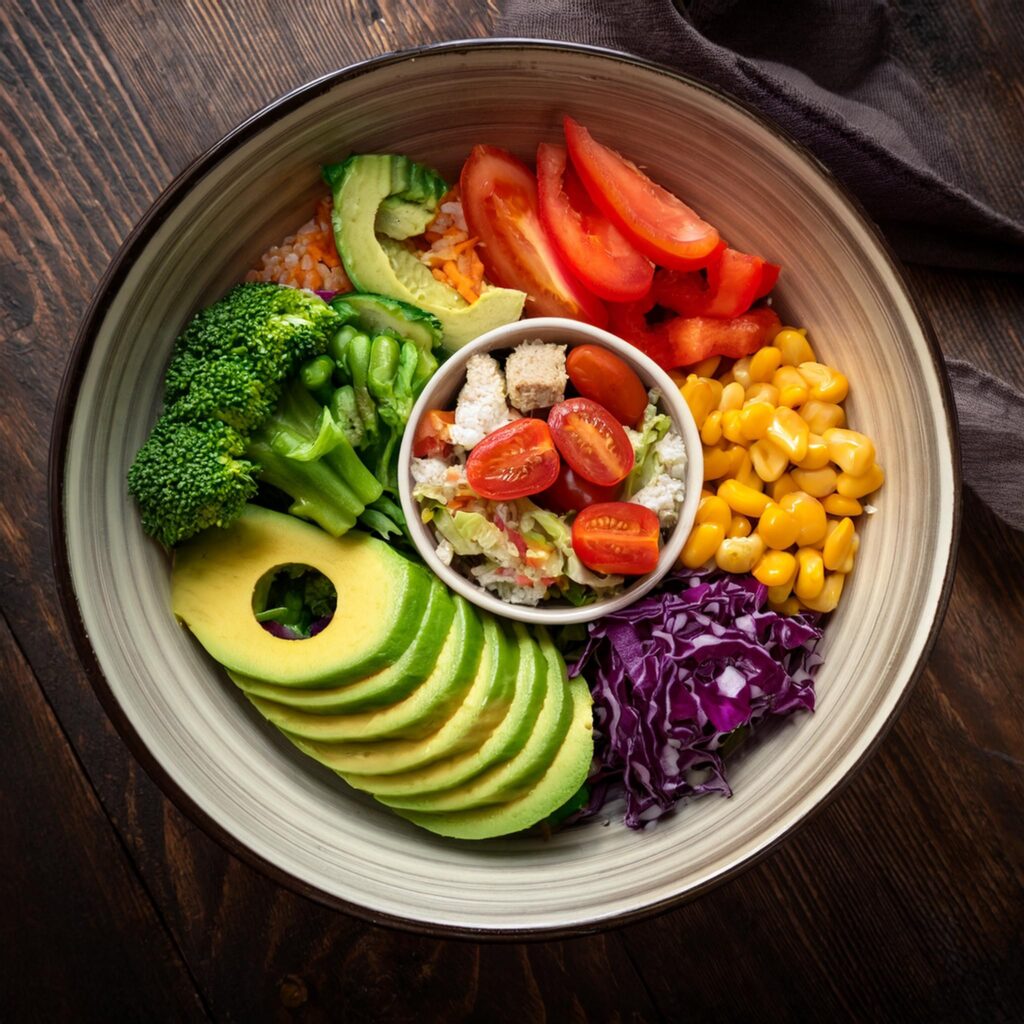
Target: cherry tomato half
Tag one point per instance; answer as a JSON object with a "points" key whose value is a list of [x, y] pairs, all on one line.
{"points": [[604, 378], [617, 537], [513, 461], [499, 200], [431, 438], [658, 223], [571, 493], [591, 440], [590, 244]]}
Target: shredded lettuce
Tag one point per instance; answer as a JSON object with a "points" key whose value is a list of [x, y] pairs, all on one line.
{"points": [[471, 533], [647, 465]]}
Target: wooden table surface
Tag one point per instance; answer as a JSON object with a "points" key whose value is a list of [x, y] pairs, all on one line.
{"points": [[902, 900]]}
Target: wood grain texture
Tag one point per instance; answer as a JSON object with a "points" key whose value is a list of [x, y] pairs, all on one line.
{"points": [[903, 900]]}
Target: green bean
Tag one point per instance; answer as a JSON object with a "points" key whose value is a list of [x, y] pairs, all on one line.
{"points": [[317, 372]]}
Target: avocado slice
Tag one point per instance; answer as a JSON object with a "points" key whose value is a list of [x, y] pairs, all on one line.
{"points": [[514, 777], [387, 266], [505, 742], [419, 714], [485, 705], [382, 688], [381, 599], [564, 776]]}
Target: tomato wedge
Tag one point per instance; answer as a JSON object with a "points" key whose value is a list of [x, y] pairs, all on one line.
{"points": [[571, 493], [591, 440], [431, 437], [617, 537], [658, 223], [513, 461], [734, 280], [604, 378], [499, 200], [590, 244]]}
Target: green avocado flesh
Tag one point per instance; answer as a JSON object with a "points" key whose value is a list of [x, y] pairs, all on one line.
{"points": [[381, 599], [566, 773], [505, 742], [382, 688]]}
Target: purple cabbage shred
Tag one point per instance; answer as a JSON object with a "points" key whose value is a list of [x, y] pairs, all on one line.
{"points": [[676, 673]]}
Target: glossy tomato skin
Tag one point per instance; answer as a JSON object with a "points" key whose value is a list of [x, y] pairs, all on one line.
{"points": [[571, 493], [592, 441], [514, 461], [431, 438], [617, 537], [594, 249], [604, 378], [655, 221], [499, 200]]}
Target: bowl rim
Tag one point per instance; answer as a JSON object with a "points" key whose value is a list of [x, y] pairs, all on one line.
{"points": [[510, 336], [77, 361]]}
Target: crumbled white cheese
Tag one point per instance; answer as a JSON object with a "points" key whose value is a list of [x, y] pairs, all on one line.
{"points": [[436, 479], [481, 407], [663, 496], [671, 449]]}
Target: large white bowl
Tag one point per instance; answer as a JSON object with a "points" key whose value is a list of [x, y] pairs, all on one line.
{"points": [[442, 392], [233, 773]]}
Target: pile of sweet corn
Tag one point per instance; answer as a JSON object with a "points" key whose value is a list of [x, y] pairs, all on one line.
{"points": [[783, 476]]}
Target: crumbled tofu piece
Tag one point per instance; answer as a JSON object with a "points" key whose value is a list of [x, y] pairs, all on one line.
{"points": [[663, 496], [445, 552], [671, 449], [536, 375], [481, 407]]}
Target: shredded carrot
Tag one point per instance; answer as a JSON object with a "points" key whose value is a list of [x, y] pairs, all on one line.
{"points": [[451, 254]]}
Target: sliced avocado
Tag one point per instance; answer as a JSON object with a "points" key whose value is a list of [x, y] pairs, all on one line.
{"points": [[385, 266], [485, 705], [564, 776], [381, 599], [505, 742], [382, 688], [419, 714], [512, 778], [398, 218]]}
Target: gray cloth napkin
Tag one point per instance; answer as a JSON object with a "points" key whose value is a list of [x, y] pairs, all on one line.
{"points": [[822, 70]]}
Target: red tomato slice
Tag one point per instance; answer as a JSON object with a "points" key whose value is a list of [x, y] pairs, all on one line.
{"points": [[617, 537], [591, 440], [513, 461], [692, 339], [571, 493], [499, 199], [431, 438], [604, 378], [734, 281], [659, 224], [769, 275], [590, 244]]}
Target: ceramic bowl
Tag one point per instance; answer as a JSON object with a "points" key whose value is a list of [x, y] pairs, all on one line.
{"points": [[191, 728], [442, 392]]}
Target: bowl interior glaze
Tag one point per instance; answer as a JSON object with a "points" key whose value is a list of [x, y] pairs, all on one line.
{"points": [[191, 727]]}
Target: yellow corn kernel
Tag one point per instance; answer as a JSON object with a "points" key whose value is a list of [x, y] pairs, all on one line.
{"points": [[791, 606], [762, 392], [701, 545], [778, 527], [717, 462], [754, 420], [745, 474], [725, 378], [828, 597], [822, 416], [809, 513], [739, 554], [731, 426], [847, 567], [763, 364], [769, 460], [699, 398], [732, 397], [788, 430], [775, 568], [794, 346], [810, 574], [716, 389], [713, 509], [817, 453], [783, 486], [850, 486], [838, 543], [826, 383], [706, 492], [739, 460], [851, 451], [792, 387], [837, 505], [779, 593], [739, 526], [706, 367], [818, 483], [741, 498], [711, 431], [741, 372]]}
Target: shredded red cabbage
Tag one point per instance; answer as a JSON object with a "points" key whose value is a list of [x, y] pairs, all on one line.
{"points": [[676, 673], [326, 296]]}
